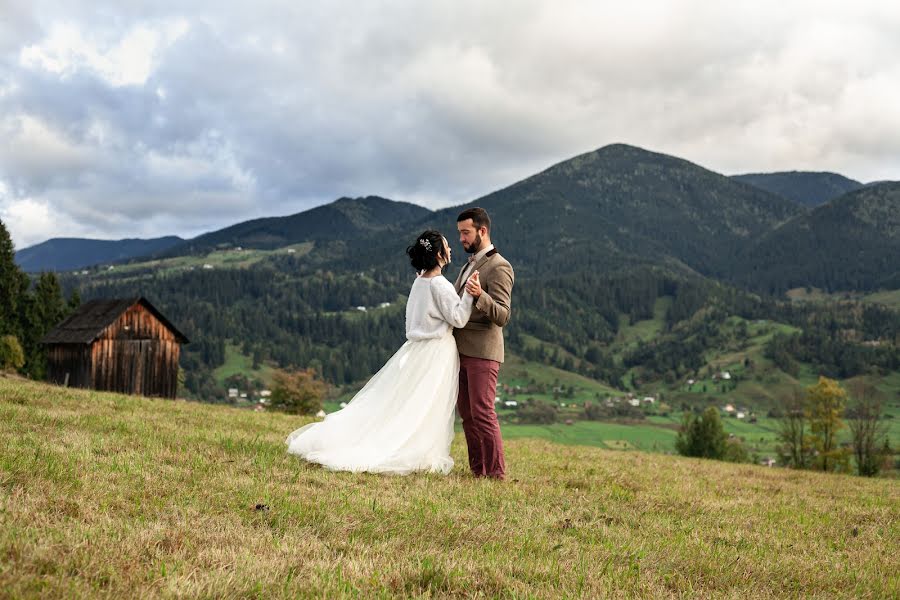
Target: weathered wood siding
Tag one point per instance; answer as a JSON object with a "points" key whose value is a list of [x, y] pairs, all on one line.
{"points": [[136, 354], [73, 360], [145, 367], [137, 323]]}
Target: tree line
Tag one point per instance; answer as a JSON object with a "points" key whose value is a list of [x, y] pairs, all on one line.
{"points": [[809, 432], [297, 313], [813, 421], [29, 309], [841, 341]]}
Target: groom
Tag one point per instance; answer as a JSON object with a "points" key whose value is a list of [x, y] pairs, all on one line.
{"points": [[489, 278]]}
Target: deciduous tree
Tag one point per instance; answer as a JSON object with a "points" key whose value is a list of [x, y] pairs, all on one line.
{"points": [[795, 449], [825, 403], [11, 355], [299, 392], [868, 431]]}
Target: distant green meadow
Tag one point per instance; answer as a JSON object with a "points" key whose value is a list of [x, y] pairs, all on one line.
{"points": [[657, 433], [613, 436]]}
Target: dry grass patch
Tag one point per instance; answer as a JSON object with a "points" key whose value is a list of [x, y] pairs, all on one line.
{"points": [[111, 496]]}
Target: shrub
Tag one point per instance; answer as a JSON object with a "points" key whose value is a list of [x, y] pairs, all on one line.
{"points": [[11, 354], [736, 451], [622, 410], [298, 392], [537, 412], [702, 435]]}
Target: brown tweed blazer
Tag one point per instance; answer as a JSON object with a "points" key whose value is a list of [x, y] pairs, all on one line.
{"points": [[482, 337]]}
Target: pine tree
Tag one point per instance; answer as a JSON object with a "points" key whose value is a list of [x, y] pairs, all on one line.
{"points": [[74, 301], [13, 284], [44, 309]]}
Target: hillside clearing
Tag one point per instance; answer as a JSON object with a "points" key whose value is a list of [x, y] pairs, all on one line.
{"points": [[110, 495]]}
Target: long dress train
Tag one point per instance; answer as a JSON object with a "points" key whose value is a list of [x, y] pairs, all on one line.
{"points": [[402, 420]]}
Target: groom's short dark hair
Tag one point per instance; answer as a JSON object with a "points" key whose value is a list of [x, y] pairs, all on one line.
{"points": [[479, 217]]}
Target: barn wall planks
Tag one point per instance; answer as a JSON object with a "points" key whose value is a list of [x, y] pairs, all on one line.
{"points": [[73, 360], [136, 354]]}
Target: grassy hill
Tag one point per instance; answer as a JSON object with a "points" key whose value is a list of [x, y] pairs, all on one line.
{"points": [[144, 269], [114, 496], [889, 298]]}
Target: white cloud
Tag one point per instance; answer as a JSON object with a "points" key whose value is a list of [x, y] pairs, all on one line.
{"points": [[36, 153], [29, 221], [128, 61], [144, 119]]}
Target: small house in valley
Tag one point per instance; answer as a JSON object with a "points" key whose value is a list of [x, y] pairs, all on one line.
{"points": [[122, 345]]}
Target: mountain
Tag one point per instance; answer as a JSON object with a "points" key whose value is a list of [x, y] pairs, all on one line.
{"points": [[880, 181], [600, 243], [343, 219], [621, 205], [806, 188], [66, 254], [850, 243]]}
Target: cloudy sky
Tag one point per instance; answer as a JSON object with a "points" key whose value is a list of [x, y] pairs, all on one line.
{"points": [[141, 119]]}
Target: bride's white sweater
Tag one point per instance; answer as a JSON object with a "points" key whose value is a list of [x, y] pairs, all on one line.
{"points": [[434, 308]]}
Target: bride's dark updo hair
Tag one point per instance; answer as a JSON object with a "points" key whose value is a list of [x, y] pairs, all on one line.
{"points": [[424, 253]]}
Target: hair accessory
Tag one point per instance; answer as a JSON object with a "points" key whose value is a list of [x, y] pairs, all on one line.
{"points": [[426, 244]]}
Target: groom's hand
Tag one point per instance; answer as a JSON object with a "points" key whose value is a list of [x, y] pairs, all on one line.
{"points": [[473, 285]]}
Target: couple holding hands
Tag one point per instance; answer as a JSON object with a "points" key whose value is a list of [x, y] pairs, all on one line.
{"points": [[401, 422]]}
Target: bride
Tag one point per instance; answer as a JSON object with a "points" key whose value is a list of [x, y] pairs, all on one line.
{"points": [[402, 420]]}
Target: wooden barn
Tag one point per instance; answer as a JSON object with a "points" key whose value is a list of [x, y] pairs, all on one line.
{"points": [[122, 345]]}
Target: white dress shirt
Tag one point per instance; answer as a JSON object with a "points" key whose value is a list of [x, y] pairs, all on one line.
{"points": [[467, 270]]}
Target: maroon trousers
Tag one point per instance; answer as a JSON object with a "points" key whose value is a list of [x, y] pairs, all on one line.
{"points": [[475, 403]]}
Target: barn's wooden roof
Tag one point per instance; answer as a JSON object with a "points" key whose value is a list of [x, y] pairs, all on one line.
{"points": [[87, 323]]}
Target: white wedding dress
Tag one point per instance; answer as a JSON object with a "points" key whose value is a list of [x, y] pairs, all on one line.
{"points": [[402, 420]]}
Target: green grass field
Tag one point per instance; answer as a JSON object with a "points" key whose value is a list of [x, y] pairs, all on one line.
{"points": [[762, 388], [632, 333], [237, 363], [227, 259], [516, 371], [613, 436], [657, 433], [104, 495], [887, 297]]}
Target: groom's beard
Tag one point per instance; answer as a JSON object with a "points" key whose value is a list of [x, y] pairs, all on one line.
{"points": [[475, 246]]}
